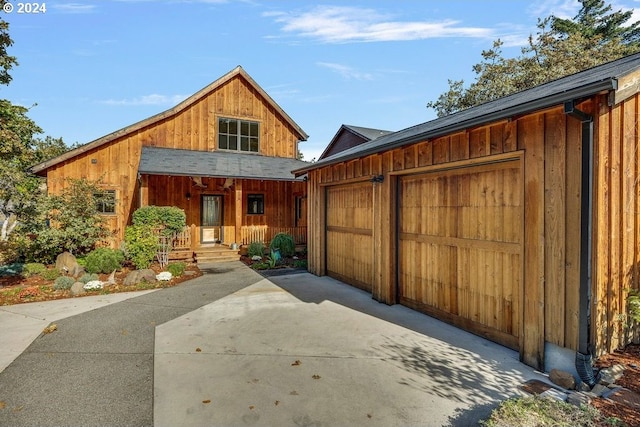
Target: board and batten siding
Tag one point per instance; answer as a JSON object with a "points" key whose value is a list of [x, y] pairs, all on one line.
{"points": [[616, 220], [115, 163], [550, 145]]}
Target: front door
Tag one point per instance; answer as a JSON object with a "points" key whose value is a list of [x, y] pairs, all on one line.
{"points": [[211, 219]]}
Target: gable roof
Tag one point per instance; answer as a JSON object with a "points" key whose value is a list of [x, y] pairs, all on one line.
{"points": [[599, 79], [238, 71], [219, 164], [366, 134]]}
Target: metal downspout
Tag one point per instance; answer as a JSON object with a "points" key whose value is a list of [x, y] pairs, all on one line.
{"points": [[583, 355]]}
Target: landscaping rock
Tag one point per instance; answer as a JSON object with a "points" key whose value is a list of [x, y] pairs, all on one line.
{"points": [[599, 390], [583, 387], [611, 374], [68, 264], [112, 279], [77, 289], [578, 398], [139, 276], [563, 379]]}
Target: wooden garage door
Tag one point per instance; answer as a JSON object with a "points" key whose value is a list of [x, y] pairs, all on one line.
{"points": [[349, 234], [460, 247]]}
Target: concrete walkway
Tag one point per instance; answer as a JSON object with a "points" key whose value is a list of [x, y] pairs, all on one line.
{"points": [[231, 349]]}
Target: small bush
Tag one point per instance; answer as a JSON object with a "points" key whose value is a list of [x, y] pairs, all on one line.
{"points": [[176, 269], [104, 260], [88, 277], [255, 249], [63, 283], [300, 263], [141, 245], [8, 252], [14, 269], [50, 274], [285, 243], [33, 269]]}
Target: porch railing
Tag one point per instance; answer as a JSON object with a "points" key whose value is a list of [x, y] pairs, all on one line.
{"points": [[264, 234], [179, 241], [182, 240]]}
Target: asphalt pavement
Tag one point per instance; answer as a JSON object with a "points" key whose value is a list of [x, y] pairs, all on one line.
{"points": [[232, 348]]}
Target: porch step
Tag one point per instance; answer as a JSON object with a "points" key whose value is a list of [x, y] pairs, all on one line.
{"points": [[219, 253]]}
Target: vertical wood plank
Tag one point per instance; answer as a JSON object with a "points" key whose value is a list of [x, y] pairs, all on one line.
{"points": [[554, 222], [530, 132]]}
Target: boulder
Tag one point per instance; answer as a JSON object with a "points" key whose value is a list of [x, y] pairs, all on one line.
{"points": [[66, 263], [112, 279], [77, 289], [563, 379], [139, 276]]}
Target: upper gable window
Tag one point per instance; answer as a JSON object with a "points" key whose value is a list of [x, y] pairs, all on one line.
{"points": [[238, 135]]}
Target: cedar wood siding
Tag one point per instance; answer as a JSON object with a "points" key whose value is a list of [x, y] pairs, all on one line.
{"points": [[548, 142], [193, 128]]}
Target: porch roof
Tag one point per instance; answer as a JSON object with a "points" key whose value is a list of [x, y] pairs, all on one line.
{"points": [[222, 164]]}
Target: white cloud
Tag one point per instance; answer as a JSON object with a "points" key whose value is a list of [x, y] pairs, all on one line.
{"points": [[341, 24], [345, 71], [73, 7], [153, 99], [564, 9]]}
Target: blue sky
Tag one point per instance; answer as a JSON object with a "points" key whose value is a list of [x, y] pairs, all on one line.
{"points": [[93, 67]]}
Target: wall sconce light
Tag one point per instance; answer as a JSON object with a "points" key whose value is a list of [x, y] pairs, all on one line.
{"points": [[377, 178], [188, 196]]}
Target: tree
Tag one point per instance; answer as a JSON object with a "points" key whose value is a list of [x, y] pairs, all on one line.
{"points": [[594, 20], [561, 47], [6, 61], [19, 149], [69, 221]]}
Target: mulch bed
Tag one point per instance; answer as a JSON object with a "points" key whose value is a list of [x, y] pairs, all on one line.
{"points": [[18, 290]]}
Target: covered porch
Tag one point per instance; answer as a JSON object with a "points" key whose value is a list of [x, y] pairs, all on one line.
{"points": [[228, 198]]}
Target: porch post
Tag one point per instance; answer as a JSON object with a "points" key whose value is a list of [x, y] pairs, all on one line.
{"points": [[238, 204], [144, 190]]}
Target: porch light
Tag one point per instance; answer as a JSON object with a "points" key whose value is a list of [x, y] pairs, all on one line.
{"points": [[188, 196]]}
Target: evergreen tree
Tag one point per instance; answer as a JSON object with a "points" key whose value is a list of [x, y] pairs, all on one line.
{"points": [[560, 48]]}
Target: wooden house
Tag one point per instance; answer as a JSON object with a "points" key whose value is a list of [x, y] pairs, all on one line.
{"points": [[349, 136], [224, 155], [517, 220]]}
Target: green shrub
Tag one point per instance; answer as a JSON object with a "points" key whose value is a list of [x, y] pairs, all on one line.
{"points": [[255, 249], [33, 269], [68, 221], [285, 243], [104, 260], [171, 218], [88, 277], [300, 263], [176, 269], [14, 269], [141, 245], [63, 283], [50, 274]]}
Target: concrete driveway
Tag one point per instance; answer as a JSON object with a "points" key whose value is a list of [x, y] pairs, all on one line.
{"points": [[232, 348]]}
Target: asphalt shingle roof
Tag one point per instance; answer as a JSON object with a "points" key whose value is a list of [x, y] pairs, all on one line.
{"points": [[168, 161]]}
